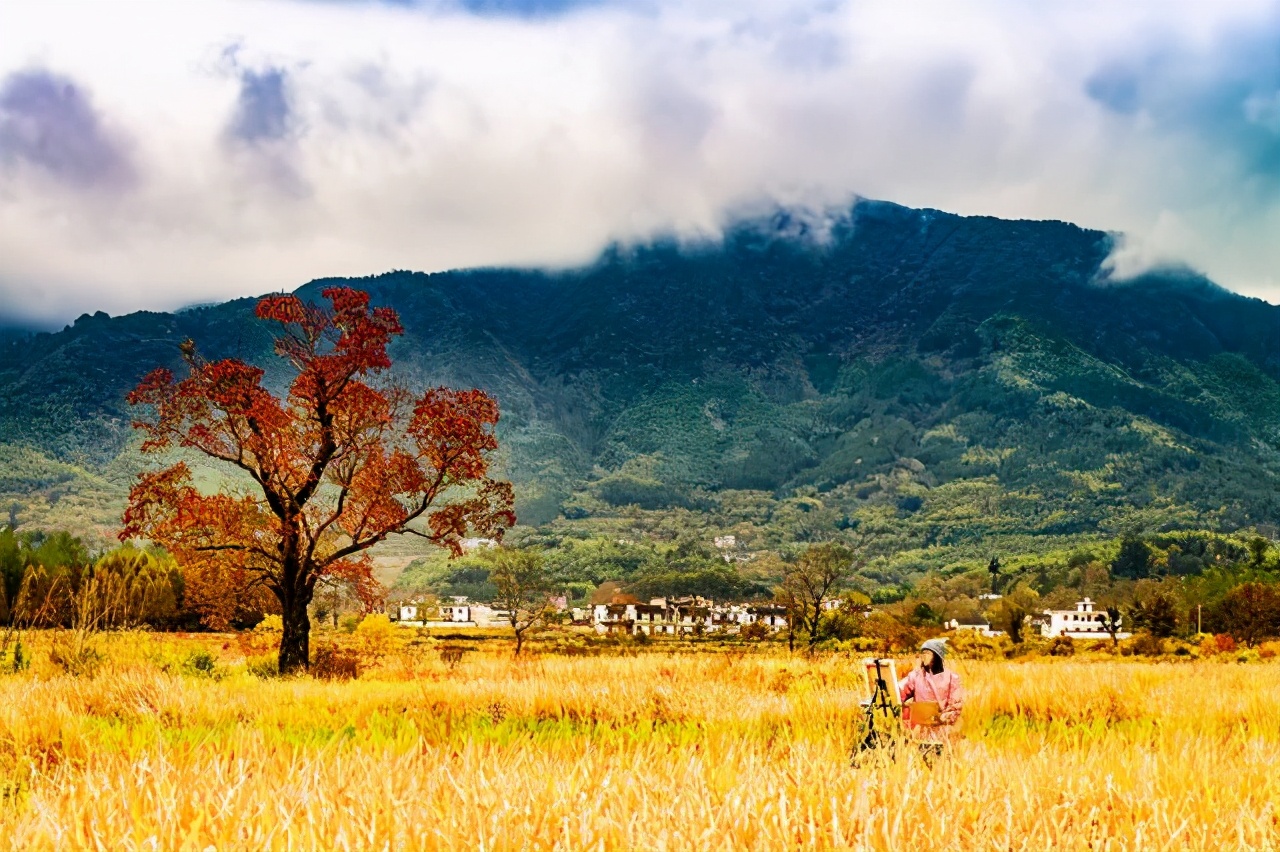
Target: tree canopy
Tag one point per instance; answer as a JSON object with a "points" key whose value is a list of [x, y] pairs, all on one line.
{"points": [[333, 467]]}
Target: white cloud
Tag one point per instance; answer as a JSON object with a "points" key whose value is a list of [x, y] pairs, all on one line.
{"points": [[350, 138]]}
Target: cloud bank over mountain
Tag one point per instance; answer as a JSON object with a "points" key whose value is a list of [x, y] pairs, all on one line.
{"points": [[154, 155]]}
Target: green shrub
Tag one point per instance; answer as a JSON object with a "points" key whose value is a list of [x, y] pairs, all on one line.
{"points": [[201, 663], [1143, 644], [264, 666], [1062, 646]]}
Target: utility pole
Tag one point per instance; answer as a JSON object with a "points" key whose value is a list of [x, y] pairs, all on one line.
{"points": [[1198, 630]]}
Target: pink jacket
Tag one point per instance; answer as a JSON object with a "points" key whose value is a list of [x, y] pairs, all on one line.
{"points": [[943, 688]]}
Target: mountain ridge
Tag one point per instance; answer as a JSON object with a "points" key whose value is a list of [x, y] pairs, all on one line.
{"points": [[904, 354]]}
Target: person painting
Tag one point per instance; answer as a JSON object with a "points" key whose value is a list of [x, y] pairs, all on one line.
{"points": [[936, 695]]}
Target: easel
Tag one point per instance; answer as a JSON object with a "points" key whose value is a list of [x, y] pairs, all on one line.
{"points": [[883, 703]]}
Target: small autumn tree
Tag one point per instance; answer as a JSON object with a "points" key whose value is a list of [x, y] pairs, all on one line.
{"points": [[332, 468], [524, 589], [810, 582], [1250, 612], [1011, 612]]}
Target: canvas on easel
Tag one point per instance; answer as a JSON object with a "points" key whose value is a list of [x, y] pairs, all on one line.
{"points": [[888, 672]]}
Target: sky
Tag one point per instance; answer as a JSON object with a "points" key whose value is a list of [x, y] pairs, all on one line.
{"points": [[160, 154]]}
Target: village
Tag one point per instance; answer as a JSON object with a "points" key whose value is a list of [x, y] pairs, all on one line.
{"points": [[690, 616], [695, 616]]}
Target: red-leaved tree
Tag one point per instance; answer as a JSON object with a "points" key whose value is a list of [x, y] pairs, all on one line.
{"points": [[333, 468]]}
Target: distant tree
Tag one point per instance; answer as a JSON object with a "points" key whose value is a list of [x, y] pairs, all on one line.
{"points": [[847, 620], [892, 633], [56, 550], [911, 503], [691, 568], [1250, 612], [223, 595], [923, 615], [809, 582], [335, 596], [1157, 612], [993, 568], [524, 589], [1111, 624], [1258, 547], [332, 469], [1011, 612], [1134, 560], [13, 566]]}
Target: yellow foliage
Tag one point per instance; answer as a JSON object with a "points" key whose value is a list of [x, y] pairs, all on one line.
{"points": [[971, 645], [270, 624], [376, 636]]}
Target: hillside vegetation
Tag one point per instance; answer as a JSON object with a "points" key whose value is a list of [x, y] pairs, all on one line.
{"points": [[967, 386]]}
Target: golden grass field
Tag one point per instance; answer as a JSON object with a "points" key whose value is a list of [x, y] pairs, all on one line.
{"points": [[668, 749]]}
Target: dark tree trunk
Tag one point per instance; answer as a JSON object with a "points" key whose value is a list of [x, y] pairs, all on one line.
{"points": [[295, 641]]}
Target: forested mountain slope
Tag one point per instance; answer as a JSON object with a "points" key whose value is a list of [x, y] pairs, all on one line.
{"points": [[972, 382]]}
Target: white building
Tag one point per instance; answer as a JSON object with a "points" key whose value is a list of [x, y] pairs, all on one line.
{"points": [[1079, 623], [459, 613], [685, 616], [657, 616], [982, 628], [773, 617], [455, 613], [413, 613]]}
